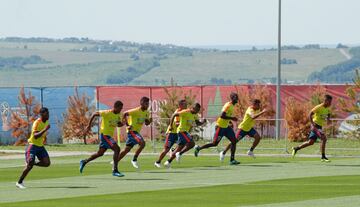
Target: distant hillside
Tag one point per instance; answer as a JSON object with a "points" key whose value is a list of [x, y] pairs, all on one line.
{"points": [[342, 72], [82, 61]]}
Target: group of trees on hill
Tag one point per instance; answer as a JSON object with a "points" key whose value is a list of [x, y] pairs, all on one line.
{"points": [[131, 72], [19, 62], [111, 46], [339, 73]]}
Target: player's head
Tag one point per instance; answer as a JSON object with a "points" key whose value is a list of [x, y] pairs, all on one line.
{"points": [[256, 104], [234, 97], [327, 100], [182, 104], [144, 103], [195, 108], [44, 113], [118, 105]]}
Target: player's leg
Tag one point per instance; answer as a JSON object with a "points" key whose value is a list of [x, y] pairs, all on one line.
{"points": [[189, 144], [139, 149], [140, 141], [180, 145], [187, 147], [178, 149], [306, 144], [30, 161], [125, 151], [161, 156], [322, 148], [99, 153], [230, 135], [239, 135], [43, 156], [216, 139], [227, 148], [23, 175], [116, 150], [130, 143], [311, 140], [167, 146], [43, 162], [105, 143], [253, 133]]}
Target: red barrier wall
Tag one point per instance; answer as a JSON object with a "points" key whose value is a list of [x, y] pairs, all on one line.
{"points": [[210, 97]]}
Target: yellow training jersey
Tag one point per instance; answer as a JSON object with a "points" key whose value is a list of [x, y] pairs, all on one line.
{"points": [[109, 121], [137, 118], [38, 126], [321, 113], [186, 120], [174, 126], [248, 122], [228, 108]]}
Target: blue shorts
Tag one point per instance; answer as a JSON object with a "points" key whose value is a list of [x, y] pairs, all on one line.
{"points": [[221, 132], [106, 141], [33, 151], [133, 138], [241, 133], [316, 133], [184, 138], [171, 139]]}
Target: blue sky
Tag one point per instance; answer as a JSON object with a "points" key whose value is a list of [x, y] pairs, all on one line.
{"points": [[185, 22]]}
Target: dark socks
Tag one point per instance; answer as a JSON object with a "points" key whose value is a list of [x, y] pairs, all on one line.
{"points": [[135, 158], [252, 149]]}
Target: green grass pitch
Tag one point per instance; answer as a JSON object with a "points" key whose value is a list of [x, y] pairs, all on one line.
{"points": [[202, 181]]}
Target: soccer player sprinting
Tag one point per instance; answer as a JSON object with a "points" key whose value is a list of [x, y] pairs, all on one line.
{"points": [[187, 118], [110, 119], [36, 147], [134, 120], [319, 115], [223, 128], [246, 127], [171, 134]]}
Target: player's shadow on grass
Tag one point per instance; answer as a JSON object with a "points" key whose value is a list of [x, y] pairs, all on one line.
{"points": [[211, 168], [143, 179], [166, 172], [66, 187], [282, 162], [260, 165], [346, 165]]}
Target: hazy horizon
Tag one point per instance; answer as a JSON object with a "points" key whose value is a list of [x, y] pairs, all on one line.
{"points": [[186, 22]]}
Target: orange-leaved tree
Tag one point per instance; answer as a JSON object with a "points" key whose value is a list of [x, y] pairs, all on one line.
{"points": [[243, 103], [265, 122], [263, 93], [77, 116], [297, 119], [168, 106], [21, 120], [297, 114]]}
